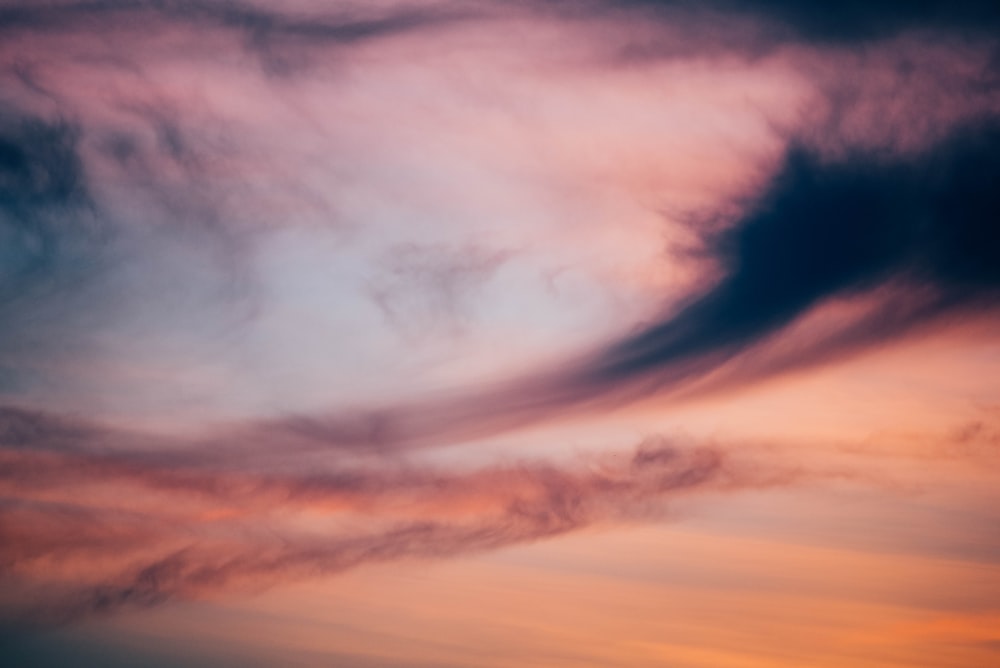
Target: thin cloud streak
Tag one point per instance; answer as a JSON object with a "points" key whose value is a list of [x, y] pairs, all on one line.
{"points": [[264, 31], [247, 536]]}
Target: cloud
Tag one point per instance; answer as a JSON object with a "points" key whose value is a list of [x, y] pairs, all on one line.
{"points": [[273, 36], [851, 23], [127, 209], [171, 188], [42, 188], [232, 529], [825, 229], [50, 235], [915, 239], [424, 289], [27, 429]]}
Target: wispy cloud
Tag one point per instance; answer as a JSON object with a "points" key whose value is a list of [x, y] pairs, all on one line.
{"points": [[222, 529], [274, 36], [253, 217], [424, 290]]}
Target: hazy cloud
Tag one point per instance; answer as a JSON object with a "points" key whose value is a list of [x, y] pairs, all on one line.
{"points": [[426, 289], [222, 529]]}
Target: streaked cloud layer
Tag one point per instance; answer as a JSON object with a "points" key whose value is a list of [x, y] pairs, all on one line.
{"points": [[291, 291]]}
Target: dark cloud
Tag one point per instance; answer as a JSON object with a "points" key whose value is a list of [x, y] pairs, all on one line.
{"points": [[264, 29], [850, 22], [50, 235], [44, 196], [825, 229], [857, 20]]}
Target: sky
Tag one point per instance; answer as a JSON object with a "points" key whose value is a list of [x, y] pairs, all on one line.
{"points": [[412, 333]]}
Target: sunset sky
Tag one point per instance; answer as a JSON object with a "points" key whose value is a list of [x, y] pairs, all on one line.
{"points": [[474, 334]]}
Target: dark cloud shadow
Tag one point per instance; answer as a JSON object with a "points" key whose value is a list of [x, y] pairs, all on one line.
{"points": [[832, 229], [853, 22]]}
